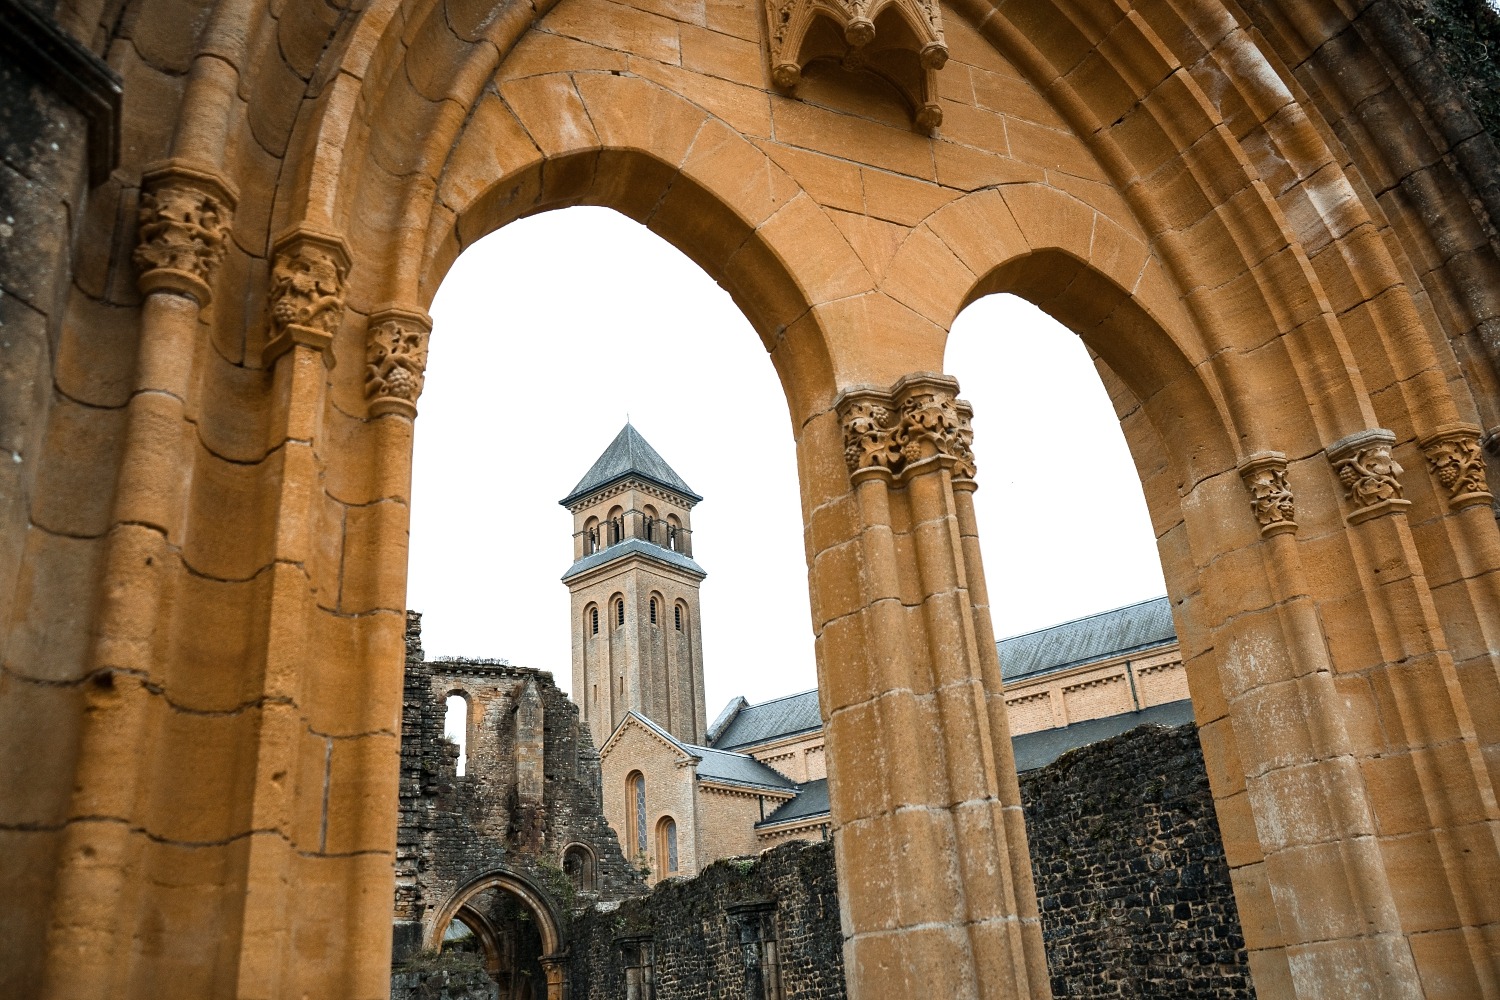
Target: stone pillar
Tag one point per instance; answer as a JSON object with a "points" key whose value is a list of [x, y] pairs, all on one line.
{"points": [[184, 217], [529, 768], [935, 880], [555, 969]]}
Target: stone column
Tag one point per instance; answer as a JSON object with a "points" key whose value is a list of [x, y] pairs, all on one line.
{"points": [[184, 217], [935, 881], [555, 969]]}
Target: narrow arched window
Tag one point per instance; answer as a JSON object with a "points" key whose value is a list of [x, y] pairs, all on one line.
{"points": [[594, 620], [635, 818], [677, 617], [666, 845], [653, 611], [456, 727], [620, 612]]}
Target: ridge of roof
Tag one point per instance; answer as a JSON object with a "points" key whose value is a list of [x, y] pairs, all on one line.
{"points": [[629, 454]]}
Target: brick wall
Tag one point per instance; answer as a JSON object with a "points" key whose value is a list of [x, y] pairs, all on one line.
{"points": [[1130, 871]]}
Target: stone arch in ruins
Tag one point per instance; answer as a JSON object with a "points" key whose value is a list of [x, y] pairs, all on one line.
{"points": [[1268, 220]]}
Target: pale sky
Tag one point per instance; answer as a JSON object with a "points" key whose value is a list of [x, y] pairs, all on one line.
{"points": [[549, 332]]}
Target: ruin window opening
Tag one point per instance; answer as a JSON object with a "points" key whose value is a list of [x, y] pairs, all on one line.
{"points": [[456, 727], [578, 865]]}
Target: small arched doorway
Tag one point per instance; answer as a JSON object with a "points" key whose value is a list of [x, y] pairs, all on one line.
{"points": [[516, 926]]}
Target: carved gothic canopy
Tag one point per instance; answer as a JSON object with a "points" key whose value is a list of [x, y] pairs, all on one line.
{"points": [[898, 40]]}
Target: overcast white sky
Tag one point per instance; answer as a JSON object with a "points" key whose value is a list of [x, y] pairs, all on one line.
{"points": [[548, 332]]}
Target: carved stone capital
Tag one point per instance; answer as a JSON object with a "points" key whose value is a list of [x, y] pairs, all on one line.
{"points": [[306, 300], [184, 218], [1369, 473], [1271, 498], [919, 420], [907, 50], [396, 359], [1455, 457]]}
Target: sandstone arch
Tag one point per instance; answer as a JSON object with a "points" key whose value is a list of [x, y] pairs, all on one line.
{"points": [[205, 589], [540, 905]]}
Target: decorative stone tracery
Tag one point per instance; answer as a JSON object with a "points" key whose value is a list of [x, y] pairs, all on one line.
{"points": [[919, 419], [1369, 473], [307, 292], [1271, 499], [899, 40], [396, 360], [184, 216], [1454, 455]]}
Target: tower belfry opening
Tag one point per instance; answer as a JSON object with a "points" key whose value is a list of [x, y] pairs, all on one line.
{"points": [[633, 558]]}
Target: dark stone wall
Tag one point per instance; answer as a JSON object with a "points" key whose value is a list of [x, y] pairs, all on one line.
{"points": [[454, 828], [1130, 872], [703, 932]]}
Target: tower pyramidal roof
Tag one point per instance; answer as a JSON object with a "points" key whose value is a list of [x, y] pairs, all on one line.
{"points": [[629, 454]]}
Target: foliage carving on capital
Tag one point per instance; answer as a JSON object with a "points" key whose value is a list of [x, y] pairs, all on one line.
{"points": [[396, 360], [899, 40], [1369, 473], [1271, 499], [920, 418], [308, 286], [1455, 457], [184, 217]]}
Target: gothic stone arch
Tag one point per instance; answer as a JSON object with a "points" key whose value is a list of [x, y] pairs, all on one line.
{"points": [[539, 904], [1283, 261]]}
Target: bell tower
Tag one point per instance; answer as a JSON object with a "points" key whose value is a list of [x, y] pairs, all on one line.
{"points": [[637, 644]]}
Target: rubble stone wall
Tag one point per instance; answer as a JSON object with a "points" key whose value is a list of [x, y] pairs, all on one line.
{"points": [[455, 828]]}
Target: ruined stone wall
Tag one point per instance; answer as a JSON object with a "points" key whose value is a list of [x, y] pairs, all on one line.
{"points": [[453, 829], [698, 931], [1130, 873]]}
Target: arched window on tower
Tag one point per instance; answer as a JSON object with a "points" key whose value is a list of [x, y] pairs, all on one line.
{"points": [[619, 612], [591, 536], [593, 621], [666, 845], [635, 809], [653, 611], [677, 617]]}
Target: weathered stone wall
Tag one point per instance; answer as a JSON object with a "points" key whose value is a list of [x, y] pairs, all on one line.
{"points": [[697, 932], [1130, 873], [453, 829]]}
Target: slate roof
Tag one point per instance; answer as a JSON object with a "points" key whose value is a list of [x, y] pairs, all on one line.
{"points": [[1038, 749], [629, 455], [771, 720], [737, 769], [811, 801], [634, 545], [722, 765], [1110, 633]]}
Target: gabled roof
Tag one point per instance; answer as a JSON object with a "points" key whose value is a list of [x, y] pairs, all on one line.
{"points": [[1109, 633], [629, 455], [811, 801], [720, 766], [771, 720], [738, 769]]}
